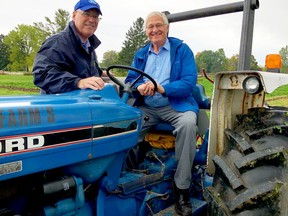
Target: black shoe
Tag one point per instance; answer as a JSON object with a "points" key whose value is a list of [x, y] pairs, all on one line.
{"points": [[183, 205]]}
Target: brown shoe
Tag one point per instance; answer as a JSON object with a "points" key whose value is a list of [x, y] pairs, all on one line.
{"points": [[183, 205]]}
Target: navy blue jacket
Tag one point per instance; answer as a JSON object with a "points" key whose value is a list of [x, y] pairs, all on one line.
{"points": [[62, 61], [183, 75]]}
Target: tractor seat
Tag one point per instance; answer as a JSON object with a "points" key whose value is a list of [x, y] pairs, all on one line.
{"points": [[203, 103]]}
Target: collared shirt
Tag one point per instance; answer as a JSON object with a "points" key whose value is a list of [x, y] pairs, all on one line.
{"points": [[158, 66], [86, 45]]}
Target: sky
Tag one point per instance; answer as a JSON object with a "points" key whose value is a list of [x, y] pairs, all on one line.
{"points": [[210, 33]]}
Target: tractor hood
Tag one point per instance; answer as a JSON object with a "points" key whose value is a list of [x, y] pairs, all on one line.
{"points": [[46, 131], [234, 79]]}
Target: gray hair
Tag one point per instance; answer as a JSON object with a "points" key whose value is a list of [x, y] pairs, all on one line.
{"points": [[159, 14]]}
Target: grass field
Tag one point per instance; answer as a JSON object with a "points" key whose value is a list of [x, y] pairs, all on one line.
{"points": [[17, 85], [23, 85]]}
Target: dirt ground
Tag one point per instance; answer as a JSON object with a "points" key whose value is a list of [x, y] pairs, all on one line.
{"points": [[13, 88]]}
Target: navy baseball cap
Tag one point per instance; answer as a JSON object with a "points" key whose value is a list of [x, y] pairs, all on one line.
{"points": [[87, 5]]}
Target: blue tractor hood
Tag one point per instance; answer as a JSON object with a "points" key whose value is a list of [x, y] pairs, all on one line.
{"points": [[43, 132]]}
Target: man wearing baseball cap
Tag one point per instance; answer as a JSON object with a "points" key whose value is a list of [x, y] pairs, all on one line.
{"points": [[67, 60], [87, 5]]}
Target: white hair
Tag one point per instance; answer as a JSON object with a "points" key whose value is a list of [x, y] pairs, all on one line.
{"points": [[159, 14]]}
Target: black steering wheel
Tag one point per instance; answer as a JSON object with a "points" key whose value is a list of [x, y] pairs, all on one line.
{"points": [[131, 85]]}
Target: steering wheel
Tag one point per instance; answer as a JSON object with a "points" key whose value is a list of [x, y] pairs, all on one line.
{"points": [[119, 83]]}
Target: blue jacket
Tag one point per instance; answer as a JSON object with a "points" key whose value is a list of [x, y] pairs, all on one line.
{"points": [[62, 61], [183, 76]]}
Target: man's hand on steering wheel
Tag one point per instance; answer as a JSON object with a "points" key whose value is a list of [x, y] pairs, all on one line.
{"points": [[147, 89]]}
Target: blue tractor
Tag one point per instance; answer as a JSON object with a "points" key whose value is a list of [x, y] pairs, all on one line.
{"points": [[64, 154]]}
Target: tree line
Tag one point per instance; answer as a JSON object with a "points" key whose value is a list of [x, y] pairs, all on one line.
{"points": [[19, 47]]}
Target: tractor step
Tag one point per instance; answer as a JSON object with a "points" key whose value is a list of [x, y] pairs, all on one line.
{"points": [[199, 208]]}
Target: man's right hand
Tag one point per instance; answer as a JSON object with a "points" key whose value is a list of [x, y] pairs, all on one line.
{"points": [[95, 83], [146, 89]]}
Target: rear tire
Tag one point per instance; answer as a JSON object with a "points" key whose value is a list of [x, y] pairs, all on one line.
{"points": [[251, 176]]}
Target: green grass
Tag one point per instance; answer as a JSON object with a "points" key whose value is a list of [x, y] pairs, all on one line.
{"points": [[17, 85], [207, 85], [20, 81], [281, 91]]}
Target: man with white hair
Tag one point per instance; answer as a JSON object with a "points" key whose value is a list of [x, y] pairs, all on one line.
{"points": [[171, 63]]}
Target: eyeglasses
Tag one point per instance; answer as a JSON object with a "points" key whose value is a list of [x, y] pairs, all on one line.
{"points": [[157, 26], [90, 14]]}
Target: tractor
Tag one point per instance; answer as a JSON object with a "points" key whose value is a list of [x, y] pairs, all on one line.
{"points": [[66, 154]]}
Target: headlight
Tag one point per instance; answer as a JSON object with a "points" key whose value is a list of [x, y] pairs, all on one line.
{"points": [[252, 85]]}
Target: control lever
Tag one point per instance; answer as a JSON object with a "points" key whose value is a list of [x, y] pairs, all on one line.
{"points": [[146, 118]]}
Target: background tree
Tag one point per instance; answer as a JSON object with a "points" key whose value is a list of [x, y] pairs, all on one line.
{"points": [[254, 64], [203, 60], [135, 38], [214, 62], [233, 63], [4, 54], [284, 54], [220, 61], [211, 61], [23, 43], [51, 27], [109, 58]]}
